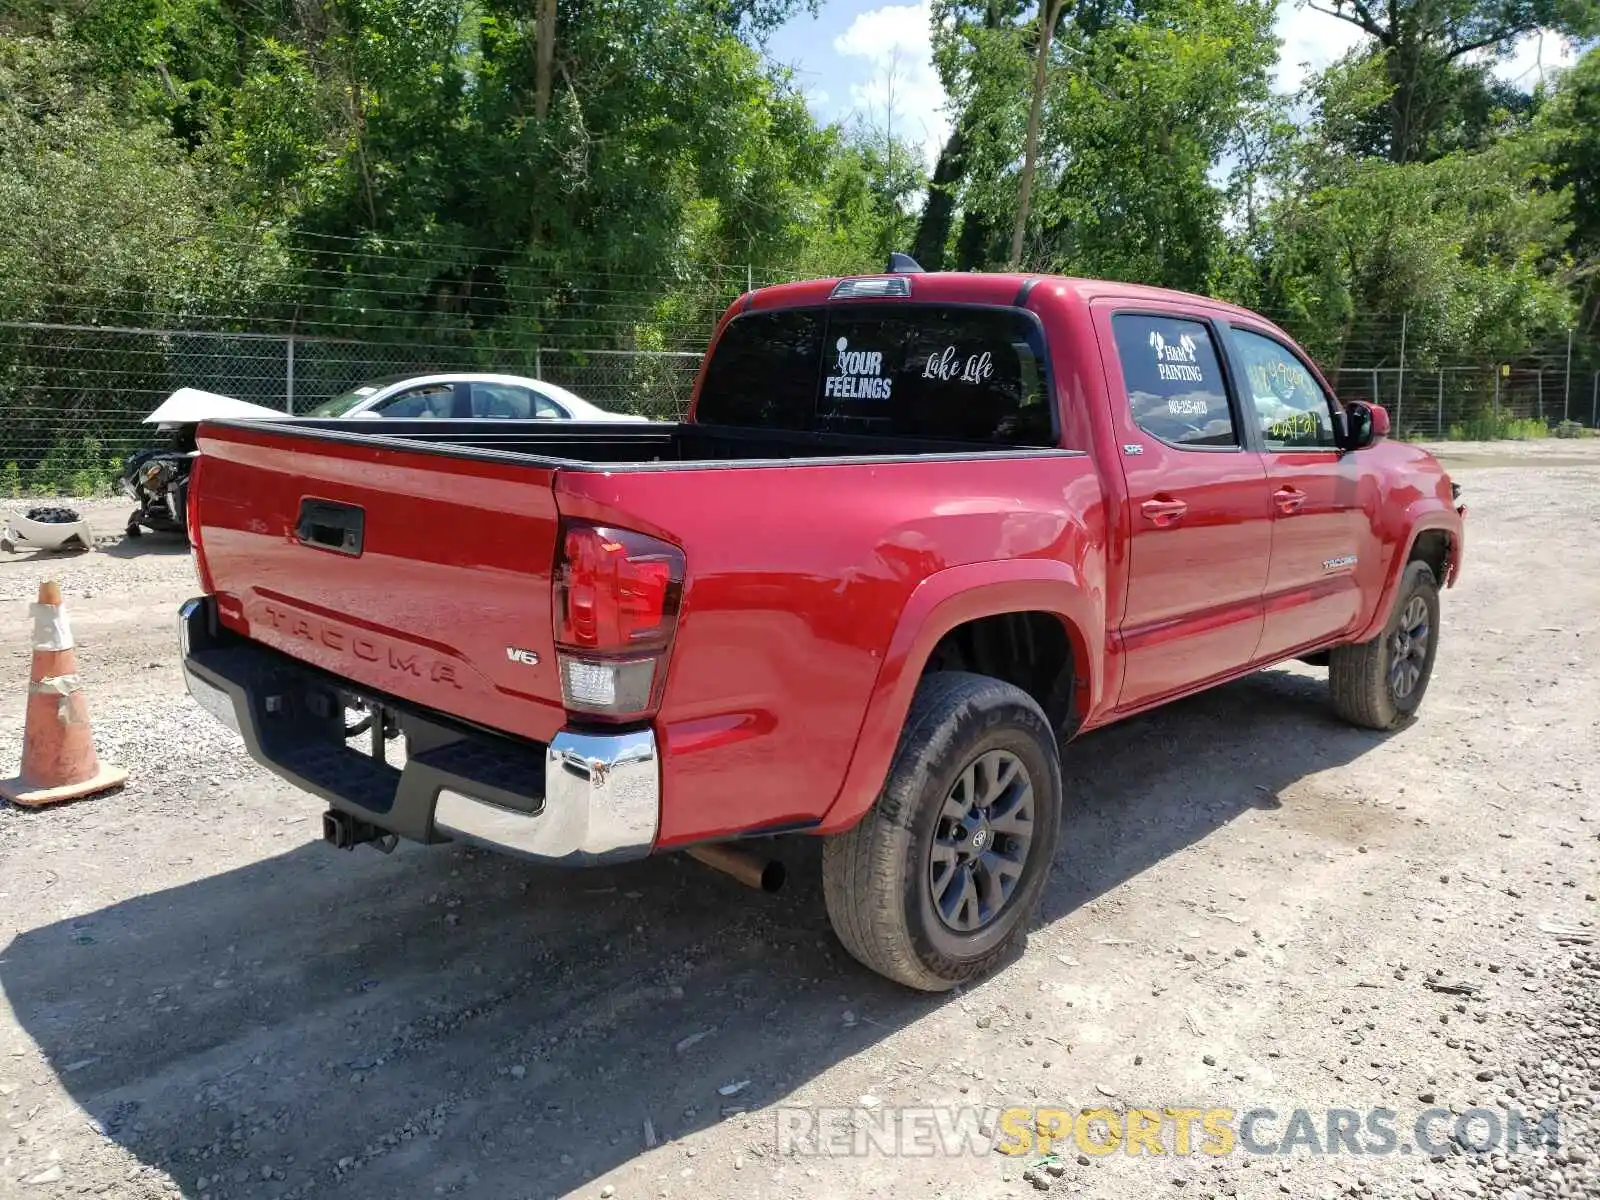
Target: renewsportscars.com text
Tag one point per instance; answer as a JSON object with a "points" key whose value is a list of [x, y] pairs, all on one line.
{"points": [[1179, 1131]]}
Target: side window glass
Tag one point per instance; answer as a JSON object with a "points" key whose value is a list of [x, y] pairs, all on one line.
{"points": [[1289, 404], [1174, 380], [546, 409], [431, 400], [499, 400]]}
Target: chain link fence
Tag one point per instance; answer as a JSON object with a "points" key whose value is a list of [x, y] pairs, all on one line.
{"points": [[73, 396], [1478, 402]]}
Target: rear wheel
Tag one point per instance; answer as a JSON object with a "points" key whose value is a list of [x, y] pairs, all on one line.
{"points": [[1380, 684], [938, 882]]}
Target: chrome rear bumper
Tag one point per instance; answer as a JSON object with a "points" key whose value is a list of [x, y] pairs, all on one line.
{"points": [[585, 798], [601, 800]]}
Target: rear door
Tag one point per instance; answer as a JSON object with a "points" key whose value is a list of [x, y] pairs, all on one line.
{"points": [[1321, 528], [413, 573], [1197, 493]]}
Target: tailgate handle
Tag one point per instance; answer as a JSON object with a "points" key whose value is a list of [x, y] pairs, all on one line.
{"points": [[330, 526]]}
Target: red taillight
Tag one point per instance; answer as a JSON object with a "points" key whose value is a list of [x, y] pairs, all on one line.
{"points": [[617, 594]]}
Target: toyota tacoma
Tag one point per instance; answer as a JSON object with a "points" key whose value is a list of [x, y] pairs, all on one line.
{"points": [[916, 530]]}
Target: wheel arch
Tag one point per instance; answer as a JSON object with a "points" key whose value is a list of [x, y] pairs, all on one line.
{"points": [[1436, 547], [965, 597], [1433, 537]]}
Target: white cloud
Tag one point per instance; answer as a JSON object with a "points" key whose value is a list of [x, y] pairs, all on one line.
{"points": [[903, 90], [1311, 40]]}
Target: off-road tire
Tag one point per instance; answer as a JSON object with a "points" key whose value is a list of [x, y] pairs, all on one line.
{"points": [[875, 877], [1359, 675]]}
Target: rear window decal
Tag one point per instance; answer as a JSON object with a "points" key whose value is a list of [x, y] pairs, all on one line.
{"points": [[947, 365], [858, 374]]}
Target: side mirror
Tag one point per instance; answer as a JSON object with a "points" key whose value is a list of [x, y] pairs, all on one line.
{"points": [[1363, 424]]}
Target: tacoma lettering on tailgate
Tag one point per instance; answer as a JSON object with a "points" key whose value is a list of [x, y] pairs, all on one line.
{"points": [[366, 648]]}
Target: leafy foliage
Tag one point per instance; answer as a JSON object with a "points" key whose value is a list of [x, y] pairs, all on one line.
{"points": [[1467, 247], [1436, 94], [1569, 129], [189, 137], [1140, 102], [1490, 427], [392, 167], [73, 467], [104, 216]]}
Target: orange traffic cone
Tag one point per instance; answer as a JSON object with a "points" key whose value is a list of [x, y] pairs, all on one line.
{"points": [[58, 759]]}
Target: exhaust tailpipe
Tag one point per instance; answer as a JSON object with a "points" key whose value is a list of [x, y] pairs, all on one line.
{"points": [[765, 874]]}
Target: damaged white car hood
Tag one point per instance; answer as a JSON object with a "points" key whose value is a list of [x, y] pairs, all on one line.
{"points": [[188, 405]]}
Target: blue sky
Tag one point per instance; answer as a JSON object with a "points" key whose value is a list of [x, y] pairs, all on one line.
{"points": [[846, 57]]}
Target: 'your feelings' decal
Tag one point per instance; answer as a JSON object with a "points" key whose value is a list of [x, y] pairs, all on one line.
{"points": [[857, 374]]}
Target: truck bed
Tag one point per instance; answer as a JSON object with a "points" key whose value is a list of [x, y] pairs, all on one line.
{"points": [[415, 562], [576, 445]]}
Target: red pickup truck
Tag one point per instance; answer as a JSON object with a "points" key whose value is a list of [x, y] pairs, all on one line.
{"points": [[916, 530]]}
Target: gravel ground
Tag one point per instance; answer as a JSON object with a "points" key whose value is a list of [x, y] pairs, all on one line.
{"points": [[1255, 907]]}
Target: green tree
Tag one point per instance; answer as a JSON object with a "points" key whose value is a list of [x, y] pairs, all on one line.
{"points": [[642, 138], [1436, 93], [1138, 104], [1467, 248], [865, 208], [1569, 128], [106, 217]]}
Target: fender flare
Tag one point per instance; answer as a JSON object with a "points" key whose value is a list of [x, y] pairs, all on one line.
{"points": [[1425, 518], [939, 603]]}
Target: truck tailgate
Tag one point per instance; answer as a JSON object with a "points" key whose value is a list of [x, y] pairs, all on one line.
{"points": [[424, 575]]}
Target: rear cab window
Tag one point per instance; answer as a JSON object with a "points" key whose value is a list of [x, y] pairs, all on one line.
{"points": [[938, 372], [1173, 377]]}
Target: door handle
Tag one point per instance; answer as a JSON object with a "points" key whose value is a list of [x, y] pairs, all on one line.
{"points": [[1163, 510], [1288, 499]]}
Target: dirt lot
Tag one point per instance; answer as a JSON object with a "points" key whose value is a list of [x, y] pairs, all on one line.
{"points": [[1254, 907]]}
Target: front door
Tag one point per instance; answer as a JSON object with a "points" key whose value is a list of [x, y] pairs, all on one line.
{"points": [[1198, 505], [1321, 527]]}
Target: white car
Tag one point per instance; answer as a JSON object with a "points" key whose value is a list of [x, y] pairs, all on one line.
{"points": [[464, 394]]}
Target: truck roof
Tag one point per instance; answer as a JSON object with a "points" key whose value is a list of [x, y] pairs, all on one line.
{"points": [[971, 287]]}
